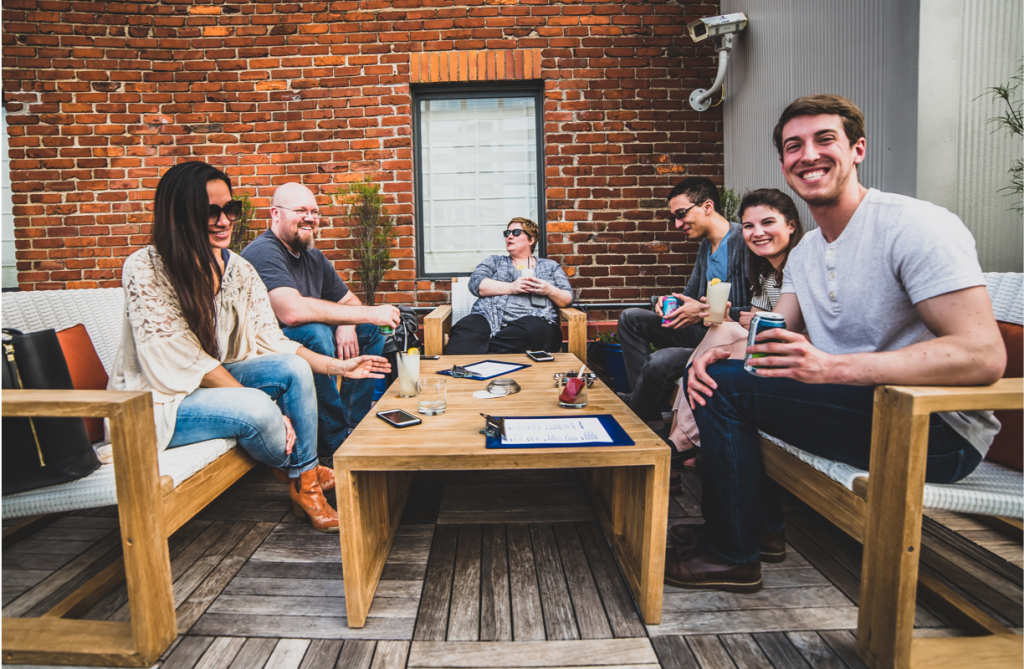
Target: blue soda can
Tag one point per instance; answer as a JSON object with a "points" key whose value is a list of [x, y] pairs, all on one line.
{"points": [[762, 321], [668, 305]]}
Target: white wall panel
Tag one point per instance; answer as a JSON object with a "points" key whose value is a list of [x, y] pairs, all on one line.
{"points": [[968, 46], [9, 277], [862, 49], [916, 69]]}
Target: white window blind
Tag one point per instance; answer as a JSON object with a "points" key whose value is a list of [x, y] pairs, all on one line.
{"points": [[479, 170]]}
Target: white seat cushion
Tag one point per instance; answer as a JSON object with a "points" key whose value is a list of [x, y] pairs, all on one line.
{"points": [[991, 490], [99, 489]]}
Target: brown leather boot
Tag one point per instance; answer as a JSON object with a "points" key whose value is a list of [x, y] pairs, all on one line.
{"points": [[324, 476], [308, 500], [699, 570], [773, 544]]}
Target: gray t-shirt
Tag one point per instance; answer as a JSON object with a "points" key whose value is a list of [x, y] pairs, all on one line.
{"points": [[858, 293]]}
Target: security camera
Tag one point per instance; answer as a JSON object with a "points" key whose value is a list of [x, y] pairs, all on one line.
{"points": [[716, 26], [722, 29]]}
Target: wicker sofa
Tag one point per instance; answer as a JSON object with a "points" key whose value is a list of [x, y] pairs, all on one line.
{"points": [[156, 493]]}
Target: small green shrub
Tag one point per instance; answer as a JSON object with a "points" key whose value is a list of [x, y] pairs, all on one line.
{"points": [[373, 230]]}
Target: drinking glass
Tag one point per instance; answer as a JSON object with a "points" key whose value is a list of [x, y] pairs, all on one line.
{"points": [[408, 371], [567, 400], [718, 295], [433, 398]]}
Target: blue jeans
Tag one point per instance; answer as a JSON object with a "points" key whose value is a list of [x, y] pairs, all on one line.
{"points": [[738, 501], [339, 413], [274, 384]]}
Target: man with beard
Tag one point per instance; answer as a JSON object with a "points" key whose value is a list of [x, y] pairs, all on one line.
{"points": [[317, 309], [890, 292]]}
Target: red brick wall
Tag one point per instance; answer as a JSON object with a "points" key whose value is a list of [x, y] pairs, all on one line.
{"points": [[103, 97]]}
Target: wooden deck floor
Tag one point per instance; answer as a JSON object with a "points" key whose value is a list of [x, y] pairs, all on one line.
{"points": [[485, 566]]}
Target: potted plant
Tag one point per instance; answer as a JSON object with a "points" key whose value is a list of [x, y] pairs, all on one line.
{"points": [[609, 355], [372, 230], [242, 234]]}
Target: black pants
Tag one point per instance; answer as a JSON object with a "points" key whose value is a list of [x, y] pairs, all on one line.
{"points": [[472, 336], [652, 376]]}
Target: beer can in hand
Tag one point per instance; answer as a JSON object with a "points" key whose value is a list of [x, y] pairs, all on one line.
{"points": [[668, 305], [763, 320]]}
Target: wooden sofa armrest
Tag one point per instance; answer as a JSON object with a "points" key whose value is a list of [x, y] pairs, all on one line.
{"points": [[436, 325], [1003, 394], [577, 321], [892, 533], [137, 476]]}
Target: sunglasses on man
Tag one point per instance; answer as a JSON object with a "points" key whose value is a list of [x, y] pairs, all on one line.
{"points": [[232, 210], [514, 233], [679, 214]]}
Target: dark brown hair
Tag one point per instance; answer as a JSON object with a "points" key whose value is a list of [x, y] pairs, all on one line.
{"points": [[181, 222], [697, 190], [813, 105], [758, 268], [529, 227]]}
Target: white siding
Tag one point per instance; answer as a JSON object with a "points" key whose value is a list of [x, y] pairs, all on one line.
{"points": [[10, 275], [967, 47], [865, 50]]}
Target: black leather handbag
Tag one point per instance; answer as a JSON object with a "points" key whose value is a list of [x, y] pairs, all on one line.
{"points": [[39, 452]]}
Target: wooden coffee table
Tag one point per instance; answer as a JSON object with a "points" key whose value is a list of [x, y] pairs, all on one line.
{"points": [[373, 470]]}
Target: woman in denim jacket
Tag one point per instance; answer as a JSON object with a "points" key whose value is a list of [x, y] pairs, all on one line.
{"points": [[517, 310]]}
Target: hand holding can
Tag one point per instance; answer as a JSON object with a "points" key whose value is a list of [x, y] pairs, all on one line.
{"points": [[762, 321], [668, 305]]}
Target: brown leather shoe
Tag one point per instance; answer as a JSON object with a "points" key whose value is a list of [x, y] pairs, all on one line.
{"points": [[324, 476], [773, 544], [699, 570], [308, 500]]}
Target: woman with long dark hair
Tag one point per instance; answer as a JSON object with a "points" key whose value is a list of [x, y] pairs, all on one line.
{"points": [[771, 229], [199, 333]]}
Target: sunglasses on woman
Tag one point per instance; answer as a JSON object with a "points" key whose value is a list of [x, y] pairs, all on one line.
{"points": [[514, 233], [232, 210]]}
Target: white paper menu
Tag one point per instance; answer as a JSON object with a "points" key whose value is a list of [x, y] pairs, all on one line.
{"points": [[555, 431]]}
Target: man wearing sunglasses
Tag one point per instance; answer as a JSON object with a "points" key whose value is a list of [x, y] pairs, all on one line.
{"points": [[317, 309], [696, 211]]}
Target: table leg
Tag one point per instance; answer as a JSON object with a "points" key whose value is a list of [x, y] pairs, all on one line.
{"points": [[632, 505], [370, 505]]}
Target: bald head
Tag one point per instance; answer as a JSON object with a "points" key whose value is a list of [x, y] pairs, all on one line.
{"points": [[294, 216], [291, 193]]}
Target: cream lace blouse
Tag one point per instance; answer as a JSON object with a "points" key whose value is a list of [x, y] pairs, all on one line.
{"points": [[159, 352]]}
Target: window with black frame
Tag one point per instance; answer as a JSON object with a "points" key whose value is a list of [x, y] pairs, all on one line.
{"points": [[479, 161]]}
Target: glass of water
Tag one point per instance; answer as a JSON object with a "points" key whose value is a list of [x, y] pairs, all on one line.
{"points": [[433, 398]]}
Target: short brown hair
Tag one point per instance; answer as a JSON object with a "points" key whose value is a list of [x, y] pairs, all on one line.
{"points": [[822, 103], [530, 228]]}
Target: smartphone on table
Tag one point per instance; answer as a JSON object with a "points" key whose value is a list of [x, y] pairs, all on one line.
{"points": [[539, 356], [398, 418]]}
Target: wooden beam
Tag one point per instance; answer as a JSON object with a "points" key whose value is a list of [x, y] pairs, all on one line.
{"points": [[892, 534], [1003, 394], [147, 563], [27, 526], [577, 321], [60, 641], [436, 325], [1011, 527], [992, 652], [90, 592], [843, 508], [973, 619]]}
